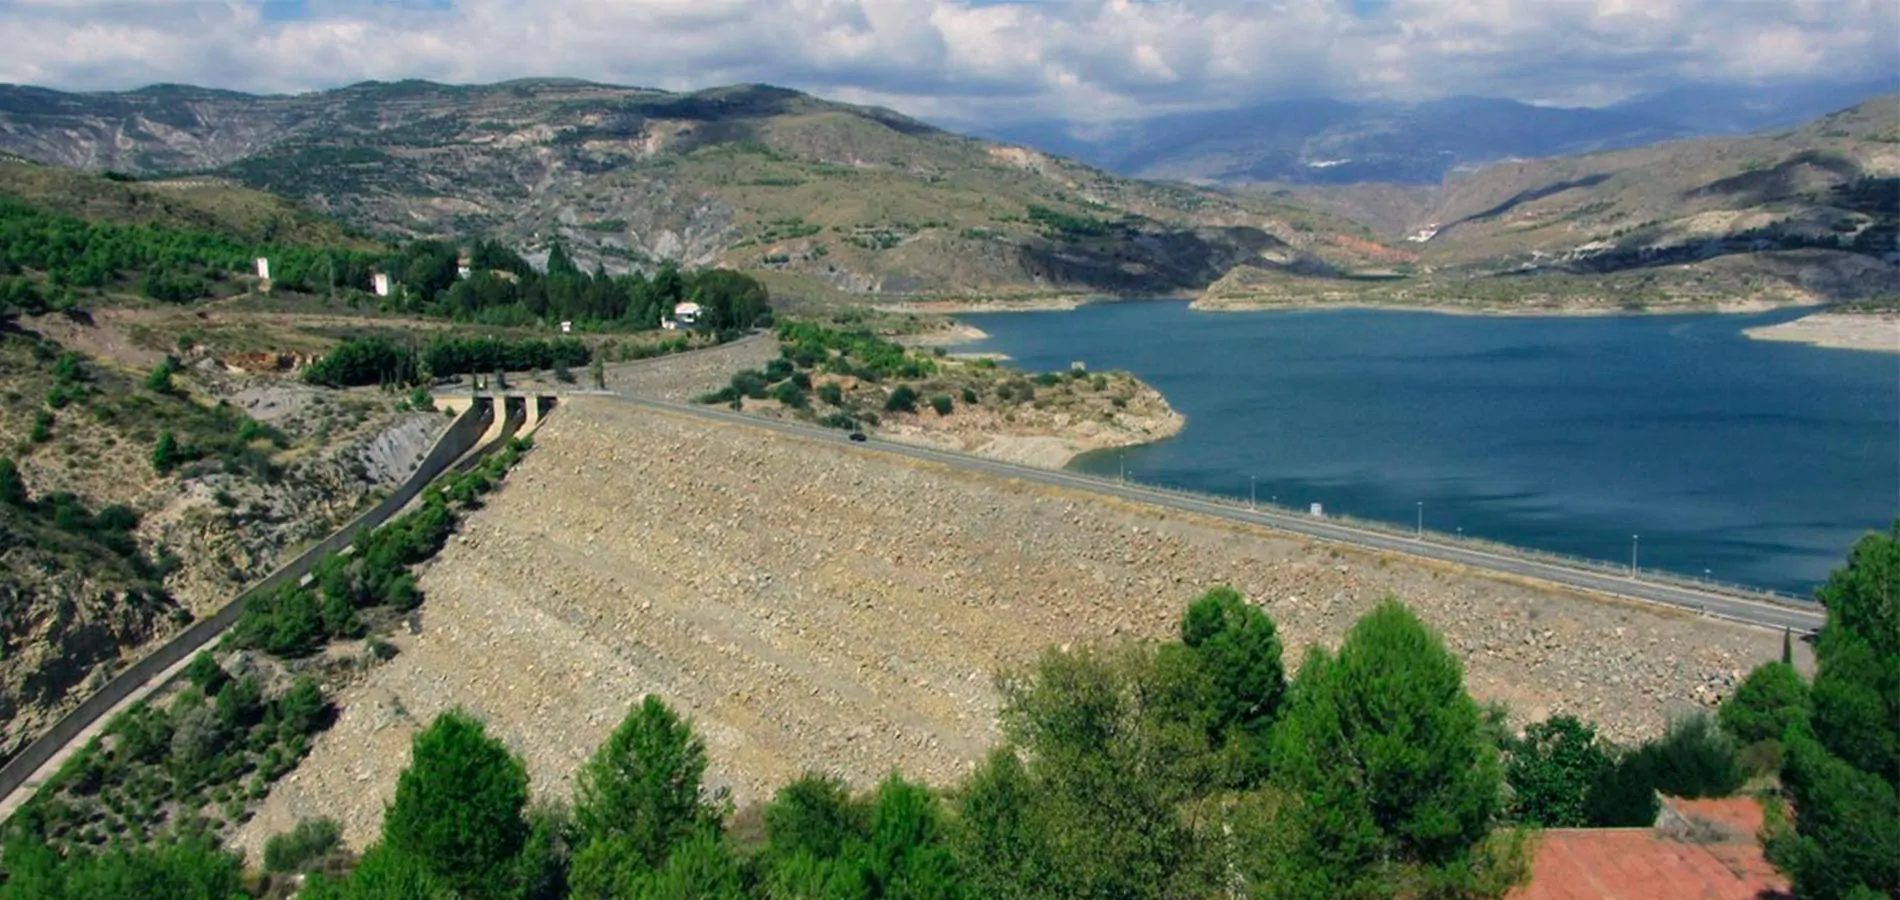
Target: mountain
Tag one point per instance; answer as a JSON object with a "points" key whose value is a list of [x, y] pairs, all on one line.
{"points": [[1334, 142], [1807, 215], [824, 198]]}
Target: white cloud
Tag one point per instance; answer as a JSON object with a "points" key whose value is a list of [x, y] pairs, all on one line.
{"points": [[1081, 60]]}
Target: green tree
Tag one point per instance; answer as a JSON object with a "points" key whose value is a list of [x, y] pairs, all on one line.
{"points": [[1552, 769], [190, 869], [386, 873], [160, 380], [1842, 769], [1694, 758], [598, 369], [1235, 649], [831, 393], [645, 784], [701, 868], [13, 490], [1106, 771], [942, 404], [902, 399], [458, 807], [166, 455], [1770, 699], [1389, 757]]}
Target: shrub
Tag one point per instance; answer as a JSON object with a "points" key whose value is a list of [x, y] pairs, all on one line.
{"points": [[165, 455], [1552, 770], [790, 395], [1048, 379], [1772, 698], [12, 487], [42, 427], [831, 393], [903, 399], [308, 842], [562, 373], [1694, 759], [969, 396], [839, 420], [778, 369], [160, 380], [942, 404]]}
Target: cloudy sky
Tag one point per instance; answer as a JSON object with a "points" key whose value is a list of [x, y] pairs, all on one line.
{"points": [[969, 60]]}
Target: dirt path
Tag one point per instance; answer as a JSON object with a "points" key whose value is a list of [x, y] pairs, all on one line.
{"points": [[838, 609]]}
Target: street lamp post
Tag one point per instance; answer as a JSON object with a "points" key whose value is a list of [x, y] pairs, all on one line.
{"points": [[1421, 519], [1124, 464], [1633, 539], [1253, 493]]}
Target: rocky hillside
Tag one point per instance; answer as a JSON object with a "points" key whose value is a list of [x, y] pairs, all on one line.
{"points": [[832, 198], [1808, 215]]}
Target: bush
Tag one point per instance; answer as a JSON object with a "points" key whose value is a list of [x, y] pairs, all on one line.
{"points": [[1552, 770], [790, 395], [831, 393], [942, 404], [12, 487], [562, 373], [307, 843], [165, 455], [839, 420], [1772, 698], [42, 427], [160, 381], [969, 396], [1694, 758], [904, 399], [778, 369]]}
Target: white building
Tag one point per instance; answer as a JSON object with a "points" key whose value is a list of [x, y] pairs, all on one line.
{"points": [[263, 268], [379, 283], [687, 313]]}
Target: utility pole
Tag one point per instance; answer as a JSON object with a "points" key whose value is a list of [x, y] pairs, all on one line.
{"points": [[1633, 539], [1124, 464], [1253, 493], [1421, 520]]}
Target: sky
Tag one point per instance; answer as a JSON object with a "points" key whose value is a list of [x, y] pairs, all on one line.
{"points": [[970, 61]]}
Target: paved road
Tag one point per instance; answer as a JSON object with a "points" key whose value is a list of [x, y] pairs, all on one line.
{"points": [[1755, 612]]}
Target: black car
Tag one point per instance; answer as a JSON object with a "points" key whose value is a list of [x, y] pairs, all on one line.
{"points": [[858, 436]]}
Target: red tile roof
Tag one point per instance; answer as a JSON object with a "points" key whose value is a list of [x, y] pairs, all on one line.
{"points": [[1643, 863]]}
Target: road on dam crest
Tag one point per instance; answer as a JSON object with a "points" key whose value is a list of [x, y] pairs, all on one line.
{"points": [[1703, 602]]}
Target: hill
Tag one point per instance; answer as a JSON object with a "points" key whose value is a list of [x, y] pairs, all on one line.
{"points": [[828, 198], [1806, 215], [1334, 142]]}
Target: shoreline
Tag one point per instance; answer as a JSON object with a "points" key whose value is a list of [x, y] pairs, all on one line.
{"points": [[1740, 307], [1865, 332]]}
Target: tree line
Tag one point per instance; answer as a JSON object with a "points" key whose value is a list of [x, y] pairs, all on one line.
{"points": [[374, 360], [180, 265]]}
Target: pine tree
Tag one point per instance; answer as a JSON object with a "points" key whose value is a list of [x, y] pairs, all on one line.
{"points": [[458, 806]]}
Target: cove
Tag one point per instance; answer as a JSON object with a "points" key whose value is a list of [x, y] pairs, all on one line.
{"points": [[1746, 461]]}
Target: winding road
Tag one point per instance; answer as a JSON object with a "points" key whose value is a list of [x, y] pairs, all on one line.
{"points": [[1804, 619]]}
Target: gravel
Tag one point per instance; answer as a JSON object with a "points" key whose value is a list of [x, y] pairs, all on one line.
{"points": [[816, 607]]}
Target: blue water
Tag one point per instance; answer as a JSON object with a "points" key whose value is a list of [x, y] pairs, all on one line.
{"points": [[1746, 461]]}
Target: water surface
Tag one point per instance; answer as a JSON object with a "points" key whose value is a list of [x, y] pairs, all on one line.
{"points": [[1751, 461]]}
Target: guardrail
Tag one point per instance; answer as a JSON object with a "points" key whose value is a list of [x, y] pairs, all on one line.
{"points": [[461, 436], [1467, 542]]}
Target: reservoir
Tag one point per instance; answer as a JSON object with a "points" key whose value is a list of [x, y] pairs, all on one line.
{"points": [[1674, 436]]}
